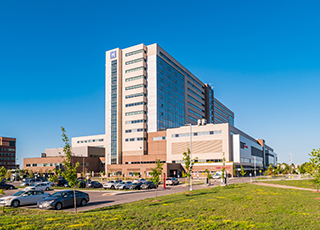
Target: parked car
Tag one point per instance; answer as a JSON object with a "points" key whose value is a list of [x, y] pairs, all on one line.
{"points": [[139, 180], [216, 176], [61, 182], [148, 185], [172, 181], [124, 185], [94, 184], [111, 184], [38, 186], [49, 182], [23, 198], [27, 181], [6, 186], [135, 185], [63, 199]]}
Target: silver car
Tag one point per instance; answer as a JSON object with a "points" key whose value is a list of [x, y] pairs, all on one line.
{"points": [[23, 198], [124, 185], [40, 186], [111, 184]]}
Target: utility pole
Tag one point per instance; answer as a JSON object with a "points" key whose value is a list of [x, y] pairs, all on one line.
{"points": [[191, 155]]}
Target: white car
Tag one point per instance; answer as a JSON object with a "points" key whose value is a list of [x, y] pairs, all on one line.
{"points": [[124, 185], [140, 180], [111, 184], [40, 186], [23, 198]]}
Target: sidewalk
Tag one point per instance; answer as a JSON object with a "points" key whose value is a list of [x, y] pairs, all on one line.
{"points": [[284, 186]]}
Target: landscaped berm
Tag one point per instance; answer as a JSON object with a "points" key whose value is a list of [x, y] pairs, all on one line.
{"points": [[244, 206]]}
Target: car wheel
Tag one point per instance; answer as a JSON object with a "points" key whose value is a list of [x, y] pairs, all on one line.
{"points": [[10, 187], [58, 206], [112, 187], [47, 188], [83, 202], [15, 203]]}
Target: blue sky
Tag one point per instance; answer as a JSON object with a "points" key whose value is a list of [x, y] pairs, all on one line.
{"points": [[262, 57]]}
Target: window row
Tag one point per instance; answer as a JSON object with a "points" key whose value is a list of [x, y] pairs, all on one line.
{"points": [[195, 100], [88, 141], [159, 138], [218, 105], [135, 78], [7, 163], [191, 111], [6, 154], [136, 121], [136, 95], [136, 139], [195, 94], [196, 88], [205, 133], [7, 158], [135, 69], [171, 62], [223, 118], [192, 118], [134, 52], [135, 130], [135, 104], [196, 107], [135, 61], [135, 86], [6, 149], [136, 113]]}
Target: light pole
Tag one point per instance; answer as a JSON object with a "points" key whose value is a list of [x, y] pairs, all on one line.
{"points": [[255, 164], [140, 161]]}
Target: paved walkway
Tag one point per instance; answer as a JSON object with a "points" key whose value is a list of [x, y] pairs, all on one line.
{"points": [[284, 186]]}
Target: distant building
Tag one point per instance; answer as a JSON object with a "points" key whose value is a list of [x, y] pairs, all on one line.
{"points": [[8, 152]]}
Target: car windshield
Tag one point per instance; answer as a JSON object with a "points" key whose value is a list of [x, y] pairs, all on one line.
{"points": [[112, 181], [168, 179], [135, 183], [18, 193], [121, 183], [32, 185], [57, 194]]}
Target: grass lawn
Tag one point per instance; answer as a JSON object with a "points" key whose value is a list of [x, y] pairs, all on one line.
{"points": [[244, 206], [296, 183]]}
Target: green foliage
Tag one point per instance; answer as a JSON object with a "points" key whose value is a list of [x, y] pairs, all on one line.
{"points": [[156, 173], [242, 172], [269, 171], [136, 173], [30, 174], [70, 169], [223, 167], [188, 164], [304, 168], [3, 173], [208, 175], [53, 178], [8, 174], [40, 173], [234, 170], [314, 166]]}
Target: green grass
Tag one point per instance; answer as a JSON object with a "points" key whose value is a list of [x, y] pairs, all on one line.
{"points": [[296, 183], [244, 206]]}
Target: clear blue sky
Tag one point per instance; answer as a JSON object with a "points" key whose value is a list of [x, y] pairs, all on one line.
{"points": [[262, 57]]}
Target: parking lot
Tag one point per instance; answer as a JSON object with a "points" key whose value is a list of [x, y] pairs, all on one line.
{"points": [[103, 198]]}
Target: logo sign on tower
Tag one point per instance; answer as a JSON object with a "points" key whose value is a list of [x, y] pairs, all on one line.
{"points": [[113, 54]]}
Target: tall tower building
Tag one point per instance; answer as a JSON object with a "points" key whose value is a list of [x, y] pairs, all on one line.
{"points": [[147, 90]]}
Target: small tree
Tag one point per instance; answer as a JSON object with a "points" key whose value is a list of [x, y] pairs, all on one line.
{"points": [[314, 166], [3, 172], [234, 170], [269, 171], [40, 173], [70, 170], [188, 163], [136, 174], [30, 175], [223, 169], [242, 172], [53, 177], [8, 174], [156, 173], [208, 175]]}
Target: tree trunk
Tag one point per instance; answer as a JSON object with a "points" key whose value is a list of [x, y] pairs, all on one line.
{"points": [[75, 200]]}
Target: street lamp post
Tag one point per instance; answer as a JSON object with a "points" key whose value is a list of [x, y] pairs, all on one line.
{"points": [[255, 165], [140, 161]]}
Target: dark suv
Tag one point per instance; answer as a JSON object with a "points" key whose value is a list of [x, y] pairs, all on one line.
{"points": [[6, 186], [62, 183]]}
